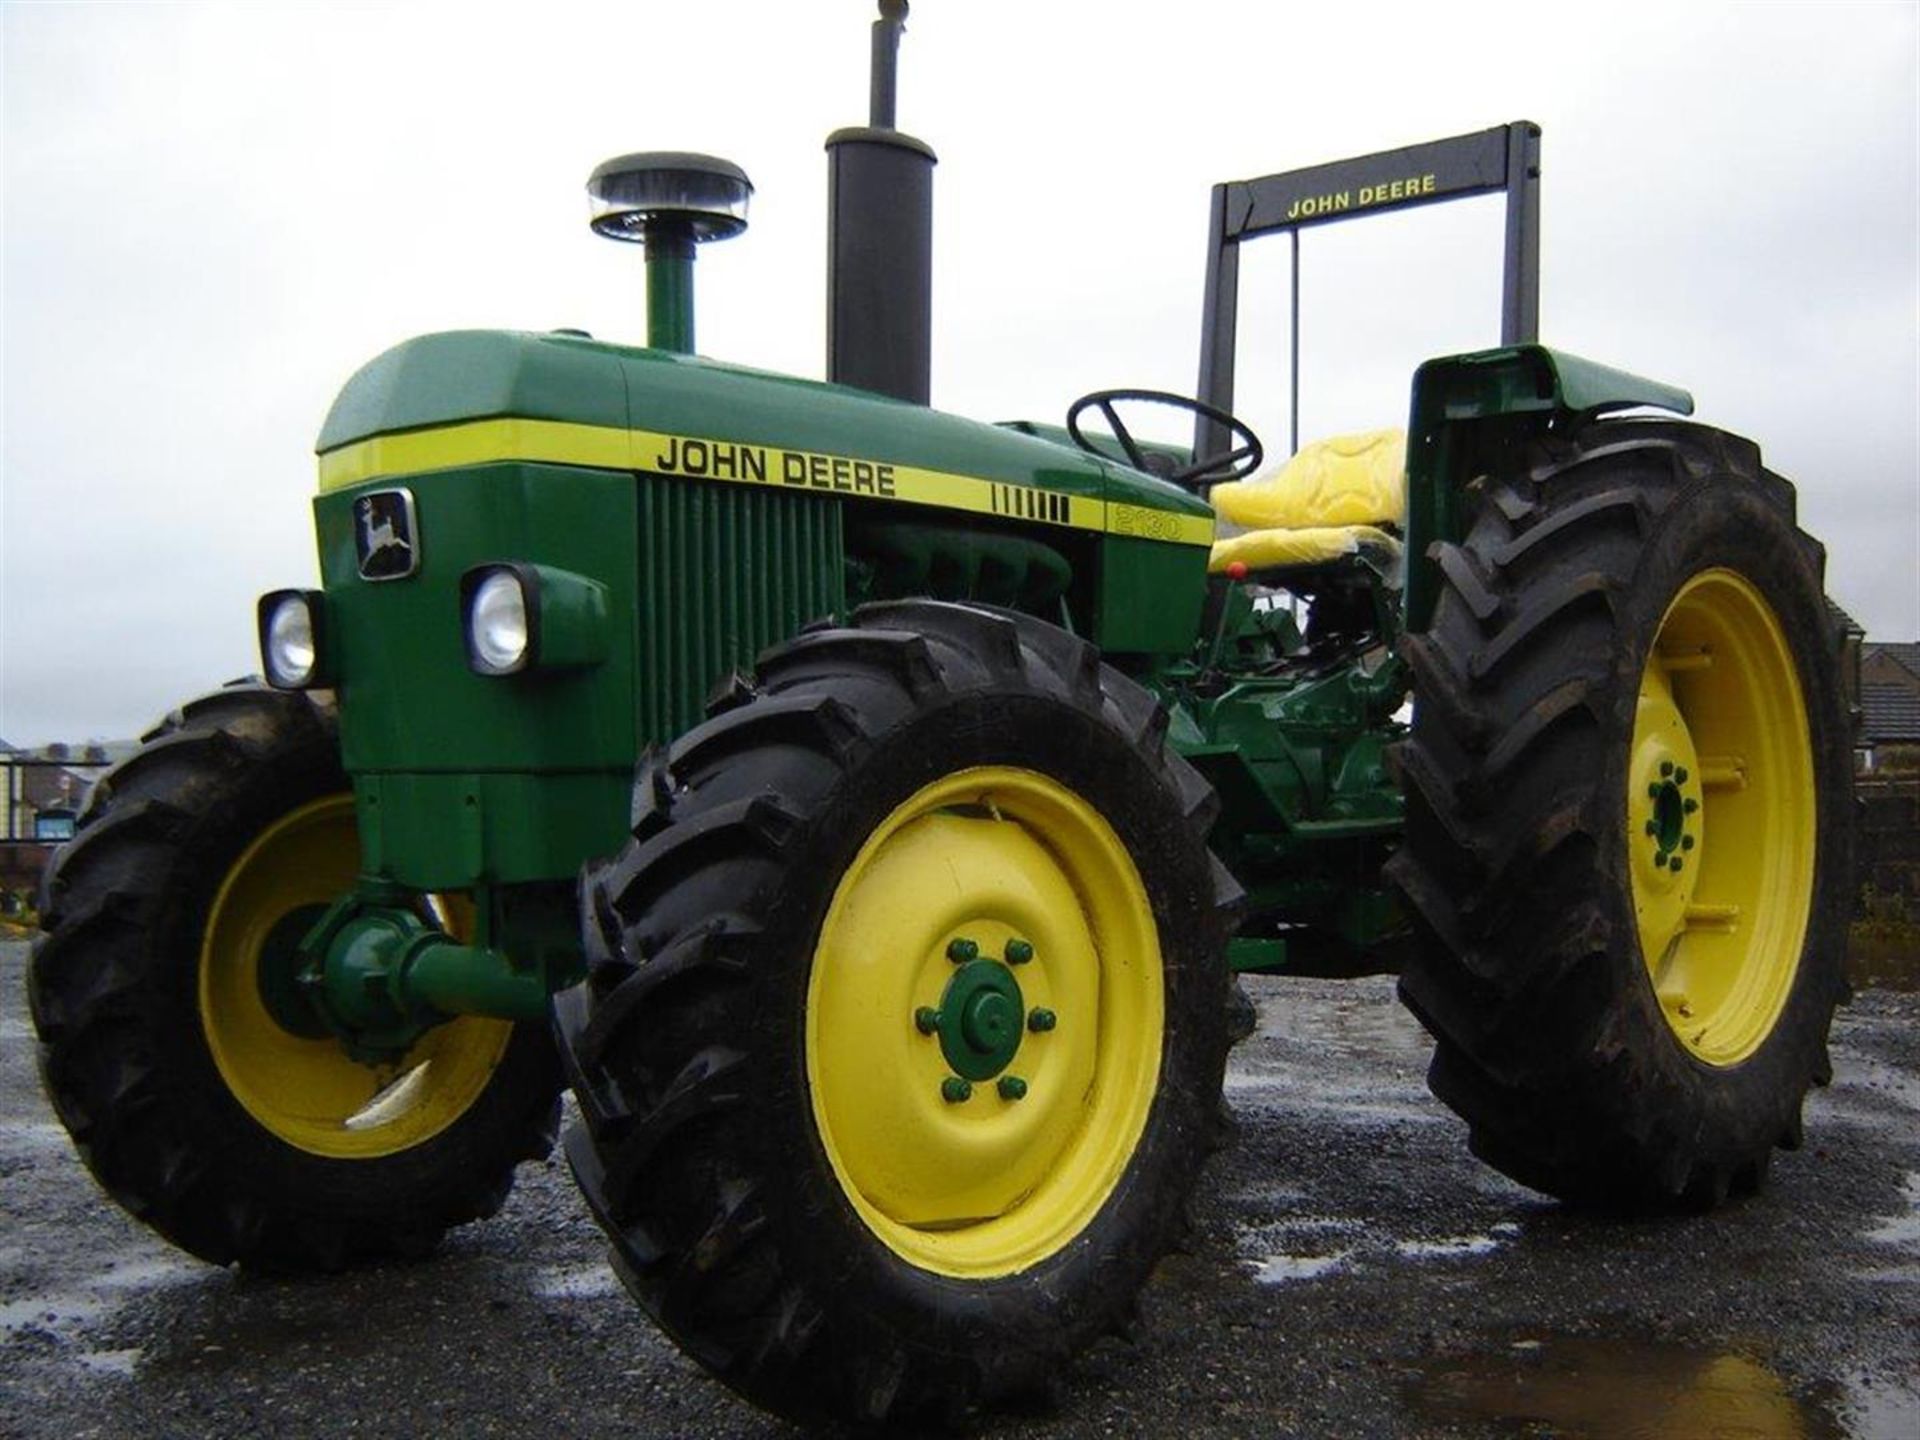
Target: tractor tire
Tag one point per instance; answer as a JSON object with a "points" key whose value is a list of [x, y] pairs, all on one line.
{"points": [[906, 1015], [198, 862], [1628, 790]]}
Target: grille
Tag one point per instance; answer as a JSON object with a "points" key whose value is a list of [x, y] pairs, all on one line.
{"points": [[725, 571]]}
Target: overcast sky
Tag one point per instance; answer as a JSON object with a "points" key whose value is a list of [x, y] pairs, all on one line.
{"points": [[214, 214]]}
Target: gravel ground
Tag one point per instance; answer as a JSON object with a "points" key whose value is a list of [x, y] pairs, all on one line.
{"points": [[1356, 1273]]}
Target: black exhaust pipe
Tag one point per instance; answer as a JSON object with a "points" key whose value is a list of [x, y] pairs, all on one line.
{"points": [[880, 240]]}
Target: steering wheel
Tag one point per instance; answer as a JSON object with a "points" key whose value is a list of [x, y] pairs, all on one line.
{"points": [[1206, 470]]}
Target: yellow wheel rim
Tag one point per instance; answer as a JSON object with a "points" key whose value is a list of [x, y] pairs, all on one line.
{"points": [[1720, 817], [309, 1092], [1000, 863]]}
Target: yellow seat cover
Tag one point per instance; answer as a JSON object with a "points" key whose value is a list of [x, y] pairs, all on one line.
{"points": [[1347, 480], [1313, 545]]}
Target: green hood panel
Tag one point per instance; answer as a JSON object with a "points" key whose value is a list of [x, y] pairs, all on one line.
{"points": [[460, 377], [478, 375]]}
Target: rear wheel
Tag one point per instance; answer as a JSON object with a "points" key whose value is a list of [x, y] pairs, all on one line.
{"points": [[196, 1081], [903, 1035], [1627, 836]]}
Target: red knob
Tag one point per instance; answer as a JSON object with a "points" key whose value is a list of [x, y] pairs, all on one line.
{"points": [[1236, 570]]}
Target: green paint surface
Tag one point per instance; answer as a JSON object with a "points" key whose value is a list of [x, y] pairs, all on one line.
{"points": [[1465, 406], [465, 779], [483, 374], [1150, 596]]}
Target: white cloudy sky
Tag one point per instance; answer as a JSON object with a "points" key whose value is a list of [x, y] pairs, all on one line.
{"points": [[214, 213]]}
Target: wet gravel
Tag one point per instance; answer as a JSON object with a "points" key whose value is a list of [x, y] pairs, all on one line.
{"points": [[1354, 1273]]}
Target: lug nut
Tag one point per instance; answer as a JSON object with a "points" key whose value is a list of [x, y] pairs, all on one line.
{"points": [[1019, 952], [1039, 1020], [1686, 842], [1666, 768], [1012, 1087], [1680, 776], [1674, 863], [1691, 806], [926, 1020], [961, 951], [1653, 827], [954, 1090]]}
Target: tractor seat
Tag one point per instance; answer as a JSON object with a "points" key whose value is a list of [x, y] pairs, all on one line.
{"points": [[1332, 499]]}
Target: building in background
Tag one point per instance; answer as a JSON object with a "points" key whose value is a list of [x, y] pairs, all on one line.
{"points": [[1889, 739], [41, 794]]}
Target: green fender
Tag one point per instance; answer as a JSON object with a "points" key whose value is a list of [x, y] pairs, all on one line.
{"points": [[1466, 408]]}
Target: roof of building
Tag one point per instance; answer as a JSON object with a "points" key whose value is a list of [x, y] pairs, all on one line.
{"points": [[1889, 713], [1905, 653]]}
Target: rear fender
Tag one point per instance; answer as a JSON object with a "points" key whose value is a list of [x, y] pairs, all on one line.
{"points": [[1468, 408]]}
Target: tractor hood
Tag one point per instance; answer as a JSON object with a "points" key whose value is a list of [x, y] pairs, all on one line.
{"points": [[470, 397]]}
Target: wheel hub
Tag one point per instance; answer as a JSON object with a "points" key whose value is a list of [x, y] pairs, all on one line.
{"points": [[1667, 822], [1720, 730], [280, 966], [982, 1014], [1673, 816]]}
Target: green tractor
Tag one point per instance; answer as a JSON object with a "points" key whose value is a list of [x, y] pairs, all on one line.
{"points": [[866, 810]]}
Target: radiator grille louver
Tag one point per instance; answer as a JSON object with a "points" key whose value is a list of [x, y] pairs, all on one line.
{"points": [[725, 571]]}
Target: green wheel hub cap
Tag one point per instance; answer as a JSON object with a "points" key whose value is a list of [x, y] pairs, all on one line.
{"points": [[281, 991], [982, 1017]]}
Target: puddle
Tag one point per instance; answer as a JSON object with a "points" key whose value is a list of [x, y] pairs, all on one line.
{"points": [[1864, 1074], [1881, 1409], [147, 1274], [1902, 1229], [1615, 1390], [1453, 1245], [56, 1312], [1280, 1269], [1297, 1248], [111, 1362], [62, 1312], [1890, 1275], [1300, 1247], [576, 1282]]}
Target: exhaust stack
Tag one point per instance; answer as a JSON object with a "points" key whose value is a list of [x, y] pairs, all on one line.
{"points": [[880, 240]]}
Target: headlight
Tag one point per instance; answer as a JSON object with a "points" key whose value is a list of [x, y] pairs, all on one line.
{"points": [[290, 627], [499, 623], [521, 618]]}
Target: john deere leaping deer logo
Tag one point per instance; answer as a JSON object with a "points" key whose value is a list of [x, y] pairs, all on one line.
{"points": [[384, 535]]}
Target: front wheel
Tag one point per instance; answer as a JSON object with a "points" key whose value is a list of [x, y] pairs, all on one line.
{"points": [[904, 1031], [1627, 819], [199, 1086]]}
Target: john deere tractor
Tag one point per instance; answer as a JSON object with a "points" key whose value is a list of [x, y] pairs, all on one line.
{"points": [[867, 810]]}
